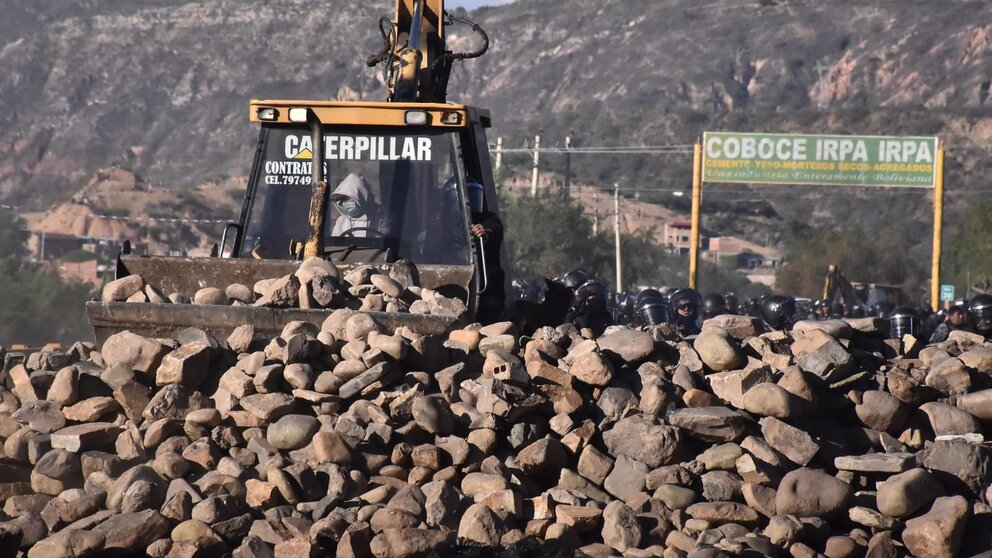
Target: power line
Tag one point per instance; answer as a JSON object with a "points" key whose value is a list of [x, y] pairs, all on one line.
{"points": [[138, 219]]}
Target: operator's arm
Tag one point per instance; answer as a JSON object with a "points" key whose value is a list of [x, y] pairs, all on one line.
{"points": [[490, 227]]}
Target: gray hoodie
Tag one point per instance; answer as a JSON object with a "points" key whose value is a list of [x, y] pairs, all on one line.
{"points": [[354, 187]]}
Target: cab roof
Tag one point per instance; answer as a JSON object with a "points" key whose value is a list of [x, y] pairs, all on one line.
{"points": [[362, 113]]}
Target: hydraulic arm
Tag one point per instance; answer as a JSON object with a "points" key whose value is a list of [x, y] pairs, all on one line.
{"points": [[418, 63]]}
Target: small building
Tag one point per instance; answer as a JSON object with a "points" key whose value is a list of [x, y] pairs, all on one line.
{"points": [[677, 237]]}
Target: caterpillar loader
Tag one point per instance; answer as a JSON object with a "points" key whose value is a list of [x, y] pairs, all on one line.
{"points": [[415, 163]]}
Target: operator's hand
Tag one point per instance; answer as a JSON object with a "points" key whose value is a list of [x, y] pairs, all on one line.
{"points": [[478, 230]]}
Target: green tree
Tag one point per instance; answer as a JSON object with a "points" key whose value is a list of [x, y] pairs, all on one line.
{"points": [[36, 306], [968, 255], [867, 257], [546, 237]]}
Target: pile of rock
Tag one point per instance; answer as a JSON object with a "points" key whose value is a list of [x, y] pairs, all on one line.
{"points": [[350, 440], [317, 284]]}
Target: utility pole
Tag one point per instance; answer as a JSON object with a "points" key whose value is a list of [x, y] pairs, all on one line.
{"points": [[595, 214], [616, 234], [499, 154], [823, 72], [567, 193], [537, 166]]}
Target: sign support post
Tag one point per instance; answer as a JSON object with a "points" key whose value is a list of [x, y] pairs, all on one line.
{"points": [[697, 198], [938, 228], [616, 234]]}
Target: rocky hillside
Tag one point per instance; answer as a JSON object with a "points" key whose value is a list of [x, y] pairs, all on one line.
{"points": [[161, 86]]}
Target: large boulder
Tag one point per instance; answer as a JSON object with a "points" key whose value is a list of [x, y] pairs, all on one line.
{"points": [[641, 437], [812, 493], [718, 350]]}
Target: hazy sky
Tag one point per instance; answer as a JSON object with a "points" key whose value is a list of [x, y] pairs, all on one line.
{"points": [[472, 4]]}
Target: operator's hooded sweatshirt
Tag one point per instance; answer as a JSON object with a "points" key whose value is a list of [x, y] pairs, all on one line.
{"points": [[354, 187]]}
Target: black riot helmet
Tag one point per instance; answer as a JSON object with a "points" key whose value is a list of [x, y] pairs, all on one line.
{"points": [[684, 307], [882, 309], [626, 301], [732, 303], [857, 311], [904, 320], [778, 311], [980, 313], [650, 308], [575, 278], [592, 292], [523, 289], [836, 309], [713, 305]]}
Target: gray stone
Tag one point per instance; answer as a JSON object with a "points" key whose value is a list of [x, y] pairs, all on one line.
{"points": [[188, 365], [210, 295], [355, 386], [812, 493], [133, 531], [965, 462], [543, 458], [830, 361], [710, 424], [82, 437], [790, 441], [628, 345], [978, 404], [642, 438], [771, 400], [41, 416], [877, 462], [626, 478], [940, 532], [268, 406], [481, 525], [292, 431], [882, 411], [138, 353], [948, 420], [433, 415], [738, 327], [621, 530], [719, 486], [719, 513], [122, 289], [903, 494], [591, 368], [718, 351]]}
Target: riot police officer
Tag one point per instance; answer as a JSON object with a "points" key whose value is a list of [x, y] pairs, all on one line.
{"points": [[685, 311], [821, 309], [904, 321], [713, 305], [650, 308], [980, 313], [956, 319], [590, 307], [779, 311], [575, 279], [732, 303]]}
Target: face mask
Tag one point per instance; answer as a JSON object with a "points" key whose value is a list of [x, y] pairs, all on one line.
{"points": [[350, 208]]}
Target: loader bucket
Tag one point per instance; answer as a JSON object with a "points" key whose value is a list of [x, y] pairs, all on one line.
{"points": [[188, 275]]}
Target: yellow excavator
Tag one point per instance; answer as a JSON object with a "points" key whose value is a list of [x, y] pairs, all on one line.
{"points": [[836, 288], [416, 165]]}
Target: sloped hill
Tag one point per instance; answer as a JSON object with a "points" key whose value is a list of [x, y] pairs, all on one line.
{"points": [[161, 87]]}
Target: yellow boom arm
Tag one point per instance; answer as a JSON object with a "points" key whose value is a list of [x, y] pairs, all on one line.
{"points": [[418, 63]]}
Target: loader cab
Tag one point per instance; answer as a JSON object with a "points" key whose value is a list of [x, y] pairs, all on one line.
{"points": [[397, 173]]}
